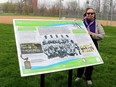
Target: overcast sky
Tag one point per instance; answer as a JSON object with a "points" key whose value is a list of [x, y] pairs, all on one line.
{"points": [[1, 1], [81, 1]]}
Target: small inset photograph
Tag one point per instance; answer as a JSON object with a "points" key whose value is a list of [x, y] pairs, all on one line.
{"points": [[30, 48], [87, 48]]}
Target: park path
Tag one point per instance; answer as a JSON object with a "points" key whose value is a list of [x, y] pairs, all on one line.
{"points": [[9, 19]]}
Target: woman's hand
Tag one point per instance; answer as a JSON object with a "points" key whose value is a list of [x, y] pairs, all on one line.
{"points": [[90, 33]]}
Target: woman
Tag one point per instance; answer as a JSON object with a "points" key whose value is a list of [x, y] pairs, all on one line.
{"points": [[96, 32]]}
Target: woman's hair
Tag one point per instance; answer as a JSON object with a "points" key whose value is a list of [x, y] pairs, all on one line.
{"points": [[87, 10]]}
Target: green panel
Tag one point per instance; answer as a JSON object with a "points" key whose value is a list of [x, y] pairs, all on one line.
{"points": [[78, 31], [74, 63], [42, 22], [26, 28]]}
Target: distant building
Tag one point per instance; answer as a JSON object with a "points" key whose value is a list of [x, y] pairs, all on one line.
{"points": [[35, 4]]}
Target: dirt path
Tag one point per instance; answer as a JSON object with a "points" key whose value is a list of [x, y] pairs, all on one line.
{"points": [[9, 19]]}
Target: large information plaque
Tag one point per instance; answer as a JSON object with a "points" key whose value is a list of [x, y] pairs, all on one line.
{"points": [[46, 46]]}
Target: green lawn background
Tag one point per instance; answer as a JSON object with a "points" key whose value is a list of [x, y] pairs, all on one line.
{"points": [[103, 75]]}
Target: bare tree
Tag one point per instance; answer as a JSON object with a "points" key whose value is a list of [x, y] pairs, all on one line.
{"points": [[20, 6], [114, 6], [96, 4], [9, 7], [72, 7], [106, 7]]}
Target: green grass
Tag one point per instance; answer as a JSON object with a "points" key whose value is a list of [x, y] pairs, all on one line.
{"points": [[103, 75]]}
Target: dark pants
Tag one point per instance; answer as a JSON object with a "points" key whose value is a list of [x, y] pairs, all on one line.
{"points": [[86, 70]]}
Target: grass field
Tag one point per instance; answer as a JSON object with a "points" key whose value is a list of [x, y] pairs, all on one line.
{"points": [[103, 75]]}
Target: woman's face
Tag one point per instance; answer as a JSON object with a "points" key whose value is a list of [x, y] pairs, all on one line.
{"points": [[90, 14]]}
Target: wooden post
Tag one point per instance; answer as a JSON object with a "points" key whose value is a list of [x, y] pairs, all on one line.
{"points": [[42, 82], [70, 78]]}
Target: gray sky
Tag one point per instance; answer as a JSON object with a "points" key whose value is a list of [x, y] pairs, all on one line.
{"points": [[81, 1], [1, 1]]}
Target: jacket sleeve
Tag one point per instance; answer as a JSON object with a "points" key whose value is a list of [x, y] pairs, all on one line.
{"points": [[99, 34]]}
